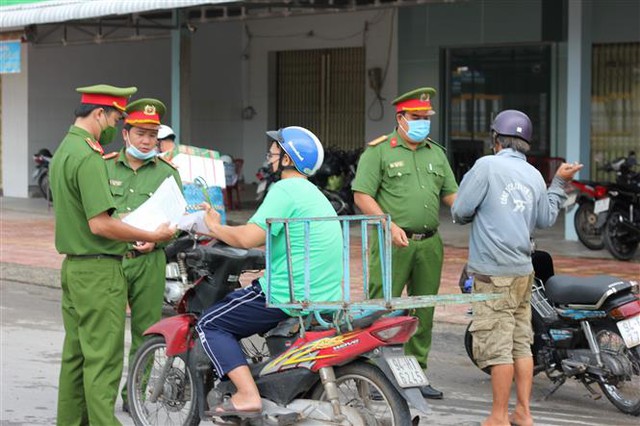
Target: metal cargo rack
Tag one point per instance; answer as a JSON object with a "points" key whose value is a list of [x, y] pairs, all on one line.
{"points": [[347, 309]]}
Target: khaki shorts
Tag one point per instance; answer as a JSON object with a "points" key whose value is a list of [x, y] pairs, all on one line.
{"points": [[501, 328]]}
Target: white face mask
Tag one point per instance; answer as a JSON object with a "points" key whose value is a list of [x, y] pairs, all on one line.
{"points": [[136, 153]]}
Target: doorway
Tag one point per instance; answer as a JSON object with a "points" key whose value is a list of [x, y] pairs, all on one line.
{"points": [[481, 81]]}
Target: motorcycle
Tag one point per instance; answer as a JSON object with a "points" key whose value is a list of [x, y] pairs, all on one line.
{"points": [[587, 329], [619, 213], [41, 174], [339, 372], [585, 218], [266, 177], [334, 179]]}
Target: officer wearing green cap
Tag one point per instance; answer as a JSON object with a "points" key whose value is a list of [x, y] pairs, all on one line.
{"points": [[406, 175], [135, 173], [93, 285]]}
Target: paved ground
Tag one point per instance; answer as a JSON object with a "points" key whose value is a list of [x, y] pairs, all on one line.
{"points": [[27, 251]]}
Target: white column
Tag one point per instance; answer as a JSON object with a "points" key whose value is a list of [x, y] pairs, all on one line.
{"points": [[15, 130], [578, 94]]}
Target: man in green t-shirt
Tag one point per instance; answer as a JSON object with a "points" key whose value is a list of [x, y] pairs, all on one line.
{"points": [[295, 154], [135, 173], [94, 292]]}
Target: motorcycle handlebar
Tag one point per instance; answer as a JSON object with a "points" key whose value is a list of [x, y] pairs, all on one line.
{"points": [[192, 255]]}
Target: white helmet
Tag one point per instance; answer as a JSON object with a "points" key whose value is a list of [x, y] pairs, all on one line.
{"points": [[165, 132]]}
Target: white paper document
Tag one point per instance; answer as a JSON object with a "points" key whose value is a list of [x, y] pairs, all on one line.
{"points": [[167, 204], [194, 222]]}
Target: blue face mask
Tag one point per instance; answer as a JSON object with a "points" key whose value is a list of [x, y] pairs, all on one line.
{"points": [[136, 153], [418, 129]]}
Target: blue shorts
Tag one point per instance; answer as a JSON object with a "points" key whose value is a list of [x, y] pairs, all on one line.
{"points": [[242, 313]]}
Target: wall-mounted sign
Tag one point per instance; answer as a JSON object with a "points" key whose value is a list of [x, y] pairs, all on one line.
{"points": [[10, 56]]}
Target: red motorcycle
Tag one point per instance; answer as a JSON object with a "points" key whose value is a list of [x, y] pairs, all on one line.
{"points": [[344, 372], [585, 219]]}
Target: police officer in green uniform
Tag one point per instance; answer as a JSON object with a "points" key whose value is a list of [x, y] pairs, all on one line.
{"points": [[135, 172], [93, 284], [406, 175]]}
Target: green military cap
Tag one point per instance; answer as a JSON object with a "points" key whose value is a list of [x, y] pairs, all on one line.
{"points": [[145, 111], [103, 94], [416, 100]]}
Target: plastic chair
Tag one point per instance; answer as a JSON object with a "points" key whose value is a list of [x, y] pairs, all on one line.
{"points": [[229, 201]]}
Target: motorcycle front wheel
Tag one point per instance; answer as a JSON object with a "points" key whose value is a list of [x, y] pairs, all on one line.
{"points": [[168, 381], [623, 389], [45, 187], [585, 224], [355, 383], [620, 242]]}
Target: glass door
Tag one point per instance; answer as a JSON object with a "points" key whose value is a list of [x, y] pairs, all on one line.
{"points": [[483, 81]]}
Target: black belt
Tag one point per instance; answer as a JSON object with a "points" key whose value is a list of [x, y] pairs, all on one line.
{"points": [[415, 236], [132, 254], [94, 256]]}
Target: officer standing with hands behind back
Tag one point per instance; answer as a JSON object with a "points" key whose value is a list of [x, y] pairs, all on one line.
{"points": [[135, 173], [406, 175], [94, 293]]}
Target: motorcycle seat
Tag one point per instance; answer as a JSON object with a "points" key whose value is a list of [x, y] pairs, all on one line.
{"points": [[589, 291]]}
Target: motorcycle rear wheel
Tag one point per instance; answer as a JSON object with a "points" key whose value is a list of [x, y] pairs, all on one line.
{"points": [[585, 225], [622, 390], [621, 243], [177, 403], [355, 382]]}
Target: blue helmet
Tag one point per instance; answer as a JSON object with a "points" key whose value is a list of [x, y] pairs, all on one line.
{"points": [[302, 146]]}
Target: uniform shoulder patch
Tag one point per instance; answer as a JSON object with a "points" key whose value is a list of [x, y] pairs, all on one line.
{"points": [[378, 141], [110, 155], [431, 141], [167, 161], [94, 145]]}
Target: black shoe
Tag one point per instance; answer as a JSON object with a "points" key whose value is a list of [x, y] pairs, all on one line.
{"points": [[430, 393], [125, 406]]}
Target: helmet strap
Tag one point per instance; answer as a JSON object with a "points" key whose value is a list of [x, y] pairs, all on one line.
{"points": [[281, 167]]}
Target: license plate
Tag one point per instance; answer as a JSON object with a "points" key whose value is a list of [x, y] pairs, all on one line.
{"points": [[630, 331], [407, 371], [601, 205]]}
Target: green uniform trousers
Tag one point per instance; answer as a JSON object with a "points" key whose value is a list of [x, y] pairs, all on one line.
{"points": [[93, 311], [419, 266], [145, 277]]}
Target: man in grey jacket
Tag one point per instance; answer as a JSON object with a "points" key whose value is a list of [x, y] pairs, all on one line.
{"points": [[506, 199]]}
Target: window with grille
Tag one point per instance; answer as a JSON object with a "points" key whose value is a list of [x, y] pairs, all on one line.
{"points": [[615, 104], [323, 90]]}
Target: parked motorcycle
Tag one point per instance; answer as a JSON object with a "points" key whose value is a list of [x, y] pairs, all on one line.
{"points": [[585, 218], [334, 179], [619, 213], [587, 329], [337, 372], [41, 174], [266, 177]]}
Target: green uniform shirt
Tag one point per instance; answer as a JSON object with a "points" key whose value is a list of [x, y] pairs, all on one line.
{"points": [[81, 191], [130, 188], [407, 184]]}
